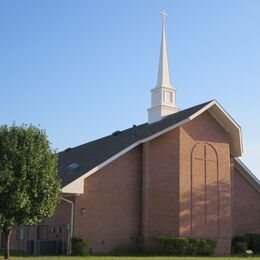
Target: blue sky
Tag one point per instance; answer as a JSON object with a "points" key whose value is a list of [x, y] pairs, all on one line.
{"points": [[83, 69]]}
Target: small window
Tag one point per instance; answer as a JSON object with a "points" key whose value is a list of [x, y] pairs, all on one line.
{"points": [[21, 232]]}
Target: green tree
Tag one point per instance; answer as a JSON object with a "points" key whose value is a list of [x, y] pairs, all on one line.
{"points": [[29, 187]]}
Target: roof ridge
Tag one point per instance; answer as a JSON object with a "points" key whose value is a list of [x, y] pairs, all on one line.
{"points": [[68, 149]]}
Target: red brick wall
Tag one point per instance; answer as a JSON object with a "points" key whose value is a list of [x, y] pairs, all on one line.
{"points": [[57, 227], [161, 186], [112, 200], [59, 221], [139, 193], [245, 206], [16, 241], [177, 184], [205, 196]]}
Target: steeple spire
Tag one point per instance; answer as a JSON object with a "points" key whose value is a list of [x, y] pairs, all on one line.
{"points": [[164, 94], [163, 78]]}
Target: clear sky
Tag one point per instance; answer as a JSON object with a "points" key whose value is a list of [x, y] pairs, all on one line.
{"points": [[83, 69]]}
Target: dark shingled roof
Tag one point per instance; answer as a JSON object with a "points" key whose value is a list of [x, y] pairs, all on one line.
{"points": [[89, 155]]}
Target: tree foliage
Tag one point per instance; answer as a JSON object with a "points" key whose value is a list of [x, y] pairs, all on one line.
{"points": [[29, 187]]}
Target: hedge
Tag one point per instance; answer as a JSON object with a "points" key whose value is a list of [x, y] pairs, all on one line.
{"points": [[184, 246]]}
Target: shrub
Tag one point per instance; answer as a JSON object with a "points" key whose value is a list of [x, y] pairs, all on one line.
{"points": [[239, 247], [254, 242], [240, 239], [79, 246], [186, 246], [240, 244], [139, 241], [173, 245], [192, 247], [205, 246], [180, 245]]}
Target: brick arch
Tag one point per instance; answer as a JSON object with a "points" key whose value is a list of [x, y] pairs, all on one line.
{"points": [[204, 190]]}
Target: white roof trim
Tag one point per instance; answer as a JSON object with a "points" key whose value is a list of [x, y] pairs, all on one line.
{"points": [[250, 177], [73, 186], [230, 125], [77, 186]]}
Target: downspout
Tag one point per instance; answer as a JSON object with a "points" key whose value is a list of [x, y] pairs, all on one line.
{"points": [[71, 223]]}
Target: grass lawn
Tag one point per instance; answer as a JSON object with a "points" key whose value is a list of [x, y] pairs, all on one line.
{"points": [[126, 258], [20, 256]]}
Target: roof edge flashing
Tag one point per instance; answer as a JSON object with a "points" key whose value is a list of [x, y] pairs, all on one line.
{"points": [[230, 125], [244, 170], [77, 186]]}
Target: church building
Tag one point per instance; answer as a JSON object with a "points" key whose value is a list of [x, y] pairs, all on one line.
{"points": [[179, 174]]}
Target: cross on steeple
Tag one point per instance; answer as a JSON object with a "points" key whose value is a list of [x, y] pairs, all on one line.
{"points": [[164, 14]]}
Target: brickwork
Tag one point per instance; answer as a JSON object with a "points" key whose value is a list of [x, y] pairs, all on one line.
{"points": [[112, 200], [182, 183], [18, 241], [205, 196], [58, 226], [161, 186], [245, 205]]}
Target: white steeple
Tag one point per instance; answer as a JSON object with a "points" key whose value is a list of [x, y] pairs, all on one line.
{"points": [[163, 101]]}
